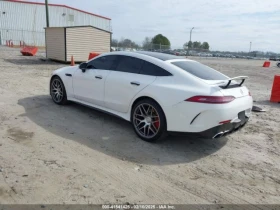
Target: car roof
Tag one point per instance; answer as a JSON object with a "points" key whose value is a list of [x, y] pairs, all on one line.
{"points": [[154, 57], [160, 56]]}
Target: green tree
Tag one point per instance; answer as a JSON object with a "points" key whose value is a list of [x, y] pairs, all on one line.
{"points": [[196, 45], [147, 43], [205, 46], [114, 42], [188, 45], [127, 43], [159, 40]]}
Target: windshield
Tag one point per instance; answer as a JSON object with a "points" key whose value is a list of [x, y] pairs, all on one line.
{"points": [[199, 70]]}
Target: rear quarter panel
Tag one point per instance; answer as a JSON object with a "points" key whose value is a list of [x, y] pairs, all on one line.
{"points": [[170, 91]]}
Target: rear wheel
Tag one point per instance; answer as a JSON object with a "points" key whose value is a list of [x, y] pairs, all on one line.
{"points": [[148, 120], [58, 91], [278, 64]]}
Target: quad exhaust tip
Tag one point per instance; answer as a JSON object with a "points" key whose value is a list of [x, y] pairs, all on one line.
{"points": [[223, 133], [220, 134]]}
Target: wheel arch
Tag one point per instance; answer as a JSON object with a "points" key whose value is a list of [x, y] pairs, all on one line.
{"points": [[53, 76], [142, 98]]}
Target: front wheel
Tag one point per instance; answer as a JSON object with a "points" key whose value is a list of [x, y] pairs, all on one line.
{"points": [[148, 120], [58, 91]]}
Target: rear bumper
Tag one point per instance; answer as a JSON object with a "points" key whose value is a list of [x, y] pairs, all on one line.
{"points": [[223, 130], [216, 132], [197, 117]]}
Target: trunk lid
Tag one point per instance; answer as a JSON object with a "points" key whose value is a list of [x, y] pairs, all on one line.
{"points": [[237, 92], [231, 87]]}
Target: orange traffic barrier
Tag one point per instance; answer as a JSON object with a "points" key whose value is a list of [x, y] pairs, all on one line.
{"points": [[92, 55], [29, 51], [266, 64], [72, 61], [275, 92]]}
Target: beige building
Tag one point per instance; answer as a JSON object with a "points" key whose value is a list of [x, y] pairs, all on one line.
{"points": [[76, 41]]}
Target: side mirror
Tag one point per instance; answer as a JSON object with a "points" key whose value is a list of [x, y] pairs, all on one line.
{"points": [[83, 66]]}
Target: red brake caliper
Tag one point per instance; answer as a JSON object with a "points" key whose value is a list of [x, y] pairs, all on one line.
{"points": [[157, 122]]}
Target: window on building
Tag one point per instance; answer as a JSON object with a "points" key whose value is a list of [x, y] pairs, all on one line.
{"points": [[71, 18]]}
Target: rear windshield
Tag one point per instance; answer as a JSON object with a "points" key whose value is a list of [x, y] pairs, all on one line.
{"points": [[199, 70]]}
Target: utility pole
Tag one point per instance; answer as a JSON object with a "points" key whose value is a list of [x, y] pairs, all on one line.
{"points": [[250, 47], [190, 40], [47, 13], [191, 34]]}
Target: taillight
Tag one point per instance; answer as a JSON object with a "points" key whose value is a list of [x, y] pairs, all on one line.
{"points": [[225, 122], [211, 99]]}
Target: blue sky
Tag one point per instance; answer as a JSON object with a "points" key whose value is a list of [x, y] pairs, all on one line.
{"points": [[225, 24]]}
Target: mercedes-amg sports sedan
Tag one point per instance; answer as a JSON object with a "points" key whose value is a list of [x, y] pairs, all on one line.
{"points": [[158, 93]]}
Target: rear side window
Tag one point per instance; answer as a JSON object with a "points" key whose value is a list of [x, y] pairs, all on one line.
{"points": [[104, 62], [129, 64], [199, 70], [153, 70]]}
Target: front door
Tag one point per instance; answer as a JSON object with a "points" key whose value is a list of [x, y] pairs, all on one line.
{"points": [[89, 86]]}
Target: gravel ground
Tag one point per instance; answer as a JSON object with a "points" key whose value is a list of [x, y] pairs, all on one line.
{"points": [[54, 154]]}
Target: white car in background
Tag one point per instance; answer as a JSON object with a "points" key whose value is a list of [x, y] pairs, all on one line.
{"points": [[158, 93]]}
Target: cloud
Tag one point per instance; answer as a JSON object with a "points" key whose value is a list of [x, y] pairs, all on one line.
{"points": [[225, 24]]}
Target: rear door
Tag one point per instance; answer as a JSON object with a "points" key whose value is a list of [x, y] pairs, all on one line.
{"points": [[125, 82]]}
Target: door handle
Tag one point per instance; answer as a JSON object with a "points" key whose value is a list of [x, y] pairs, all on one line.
{"points": [[98, 77], [68, 75], [135, 83]]}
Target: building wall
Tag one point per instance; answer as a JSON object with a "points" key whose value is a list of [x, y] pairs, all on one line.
{"points": [[26, 22], [80, 41], [55, 40]]}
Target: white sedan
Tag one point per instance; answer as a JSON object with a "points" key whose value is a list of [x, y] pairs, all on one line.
{"points": [[158, 93]]}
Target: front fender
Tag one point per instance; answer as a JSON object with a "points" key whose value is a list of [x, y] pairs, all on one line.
{"points": [[67, 80]]}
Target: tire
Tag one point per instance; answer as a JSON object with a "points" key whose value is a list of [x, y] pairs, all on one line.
{"points": [[278, 64], [148, 120], [57, 91]]}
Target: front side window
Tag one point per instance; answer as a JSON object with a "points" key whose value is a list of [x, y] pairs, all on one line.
{"points": [[104, 62]]}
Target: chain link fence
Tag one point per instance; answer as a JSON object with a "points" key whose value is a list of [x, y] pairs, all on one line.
{"points": [[18, 37], [156, 47], [149, 47]]}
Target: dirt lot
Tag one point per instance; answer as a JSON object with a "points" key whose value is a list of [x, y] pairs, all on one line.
{"points": [[73, 154]]}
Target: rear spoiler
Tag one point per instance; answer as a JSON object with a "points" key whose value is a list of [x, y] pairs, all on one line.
{"points": [[243, 78]]}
